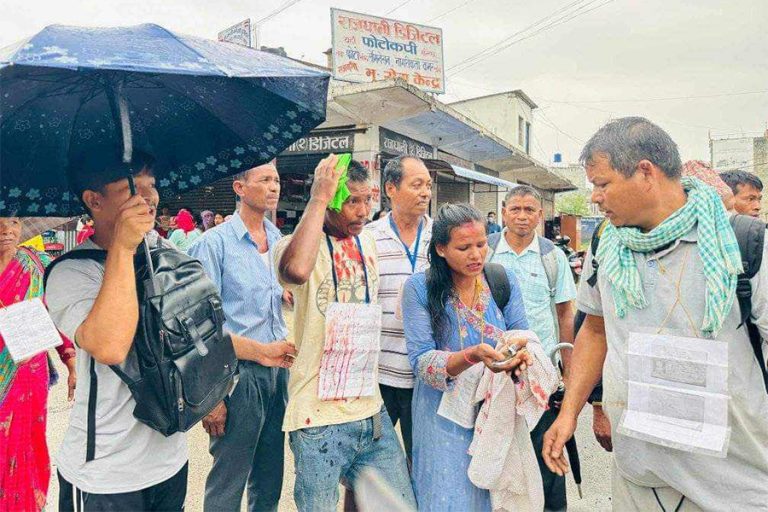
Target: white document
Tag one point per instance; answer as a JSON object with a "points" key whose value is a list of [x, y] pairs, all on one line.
{"points": [[687, 363], [351, 351], [706, 439], [27, 329], [459, 405], [677, 393]]}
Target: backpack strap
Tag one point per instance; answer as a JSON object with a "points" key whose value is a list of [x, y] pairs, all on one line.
{"points": [[750, 234], [549, 260], [498, 282], [90, 443], [493, 243], [90, 428], [78, 254], [593, 245]]}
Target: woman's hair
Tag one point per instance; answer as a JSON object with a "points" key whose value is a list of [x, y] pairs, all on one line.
{"points": [[439, 279]]}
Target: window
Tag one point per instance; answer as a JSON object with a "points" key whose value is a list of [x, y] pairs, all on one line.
{"points": [[520, 131], [527, 138]]}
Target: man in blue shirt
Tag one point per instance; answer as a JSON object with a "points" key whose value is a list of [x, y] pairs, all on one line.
{"points": [[491, 227], [548, 288], [247, 441]]}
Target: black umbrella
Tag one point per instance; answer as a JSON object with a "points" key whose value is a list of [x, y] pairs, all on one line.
{"points": [[555, 401], [203, 109]]}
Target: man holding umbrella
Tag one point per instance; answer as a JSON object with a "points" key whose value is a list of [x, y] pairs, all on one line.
{"points": [[71, 91], [96, 305], [132, 467]]}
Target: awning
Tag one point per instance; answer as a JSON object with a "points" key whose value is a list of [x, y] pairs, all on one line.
{"points": [[481, 177], [402, 108]]}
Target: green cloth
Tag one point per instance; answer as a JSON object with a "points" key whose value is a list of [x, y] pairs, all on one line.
{"points": [[717, 245], [342, 193]]}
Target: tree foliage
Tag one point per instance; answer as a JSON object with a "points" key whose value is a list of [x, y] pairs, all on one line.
{"points": [[572, 203]]}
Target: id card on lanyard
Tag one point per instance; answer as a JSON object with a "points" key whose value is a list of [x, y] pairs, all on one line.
{"points": [[352, 341], [412, 259]]}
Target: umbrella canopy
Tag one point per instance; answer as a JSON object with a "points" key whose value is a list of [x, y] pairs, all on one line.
{"points": [[203, 109]]}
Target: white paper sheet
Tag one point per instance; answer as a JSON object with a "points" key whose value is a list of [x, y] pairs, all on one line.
{"points": [[27, 329], [706, 439], [677, 393], [459, 405], [679, 361], [351, 351]]}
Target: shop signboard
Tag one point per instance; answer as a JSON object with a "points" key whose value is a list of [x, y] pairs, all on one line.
{"points": [[240, 33], [395, 144], [323, 143], [369, 48]]}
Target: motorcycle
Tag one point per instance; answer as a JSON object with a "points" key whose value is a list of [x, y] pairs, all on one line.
{"points": [[575, 261]]}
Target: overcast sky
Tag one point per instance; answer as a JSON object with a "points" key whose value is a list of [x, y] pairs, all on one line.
{"points": [[696, 58]]}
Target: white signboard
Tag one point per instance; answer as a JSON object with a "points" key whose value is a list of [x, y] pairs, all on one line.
{"points": [[238, 34], [733, 154], [369, 48]]}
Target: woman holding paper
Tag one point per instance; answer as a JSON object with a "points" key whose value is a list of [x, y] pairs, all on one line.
{"points": [[24, 460], [451, 312]]}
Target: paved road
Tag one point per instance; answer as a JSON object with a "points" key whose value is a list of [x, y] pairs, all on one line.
{"points": [[594, 461]]}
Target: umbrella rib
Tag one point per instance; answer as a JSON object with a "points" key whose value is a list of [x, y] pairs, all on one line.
{"points": [[171, 86], [69, 86], [43, 94]]}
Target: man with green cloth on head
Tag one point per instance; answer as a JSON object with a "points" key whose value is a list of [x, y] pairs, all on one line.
{"points": [[666, 277], [338, 426]]}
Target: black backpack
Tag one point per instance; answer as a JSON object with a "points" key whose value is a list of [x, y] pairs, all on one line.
{"points": [[750, 234], [498, 282], [181, 363]]}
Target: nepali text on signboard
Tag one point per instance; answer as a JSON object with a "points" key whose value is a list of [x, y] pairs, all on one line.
{"points": [[368, 48], [396, 144], [331, 143], [238, 34]]}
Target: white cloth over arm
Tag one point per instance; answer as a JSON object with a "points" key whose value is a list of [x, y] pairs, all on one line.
{"points": [[503, 460]]}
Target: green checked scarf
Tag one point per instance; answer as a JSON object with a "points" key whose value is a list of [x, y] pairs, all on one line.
{"points": [[717, 246]]}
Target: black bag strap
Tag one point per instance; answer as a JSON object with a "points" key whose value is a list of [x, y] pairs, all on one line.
{"points": [[750, 234], [493, 241], [93, 386], [77, 254], [498, 282], [90, 443], [593, 245]]}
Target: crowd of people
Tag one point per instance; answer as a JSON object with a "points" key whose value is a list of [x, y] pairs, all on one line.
{"points": [[447, 327]]}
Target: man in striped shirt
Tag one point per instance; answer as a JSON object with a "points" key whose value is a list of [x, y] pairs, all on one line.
{"points": [[402, 239]]}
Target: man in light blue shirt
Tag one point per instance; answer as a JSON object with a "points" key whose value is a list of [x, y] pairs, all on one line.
{"points": [[548, 288], [247, 441]]}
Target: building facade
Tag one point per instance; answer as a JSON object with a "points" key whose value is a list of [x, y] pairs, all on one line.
{"points": [[742, 153]]}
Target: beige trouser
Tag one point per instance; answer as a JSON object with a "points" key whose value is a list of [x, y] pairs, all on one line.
{"points": [[630, 497]]}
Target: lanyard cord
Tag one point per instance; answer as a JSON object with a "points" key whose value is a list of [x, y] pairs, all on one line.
{"points": [[333, 269], [679, 297], [658, 500], [411, 257]]}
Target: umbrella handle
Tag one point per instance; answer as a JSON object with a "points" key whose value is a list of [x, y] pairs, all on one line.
{"points": [[557, 348], [145, 242], [119, 106]]}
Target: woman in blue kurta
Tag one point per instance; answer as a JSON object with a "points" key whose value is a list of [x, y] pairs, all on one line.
{"points": [[442, 343]]}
